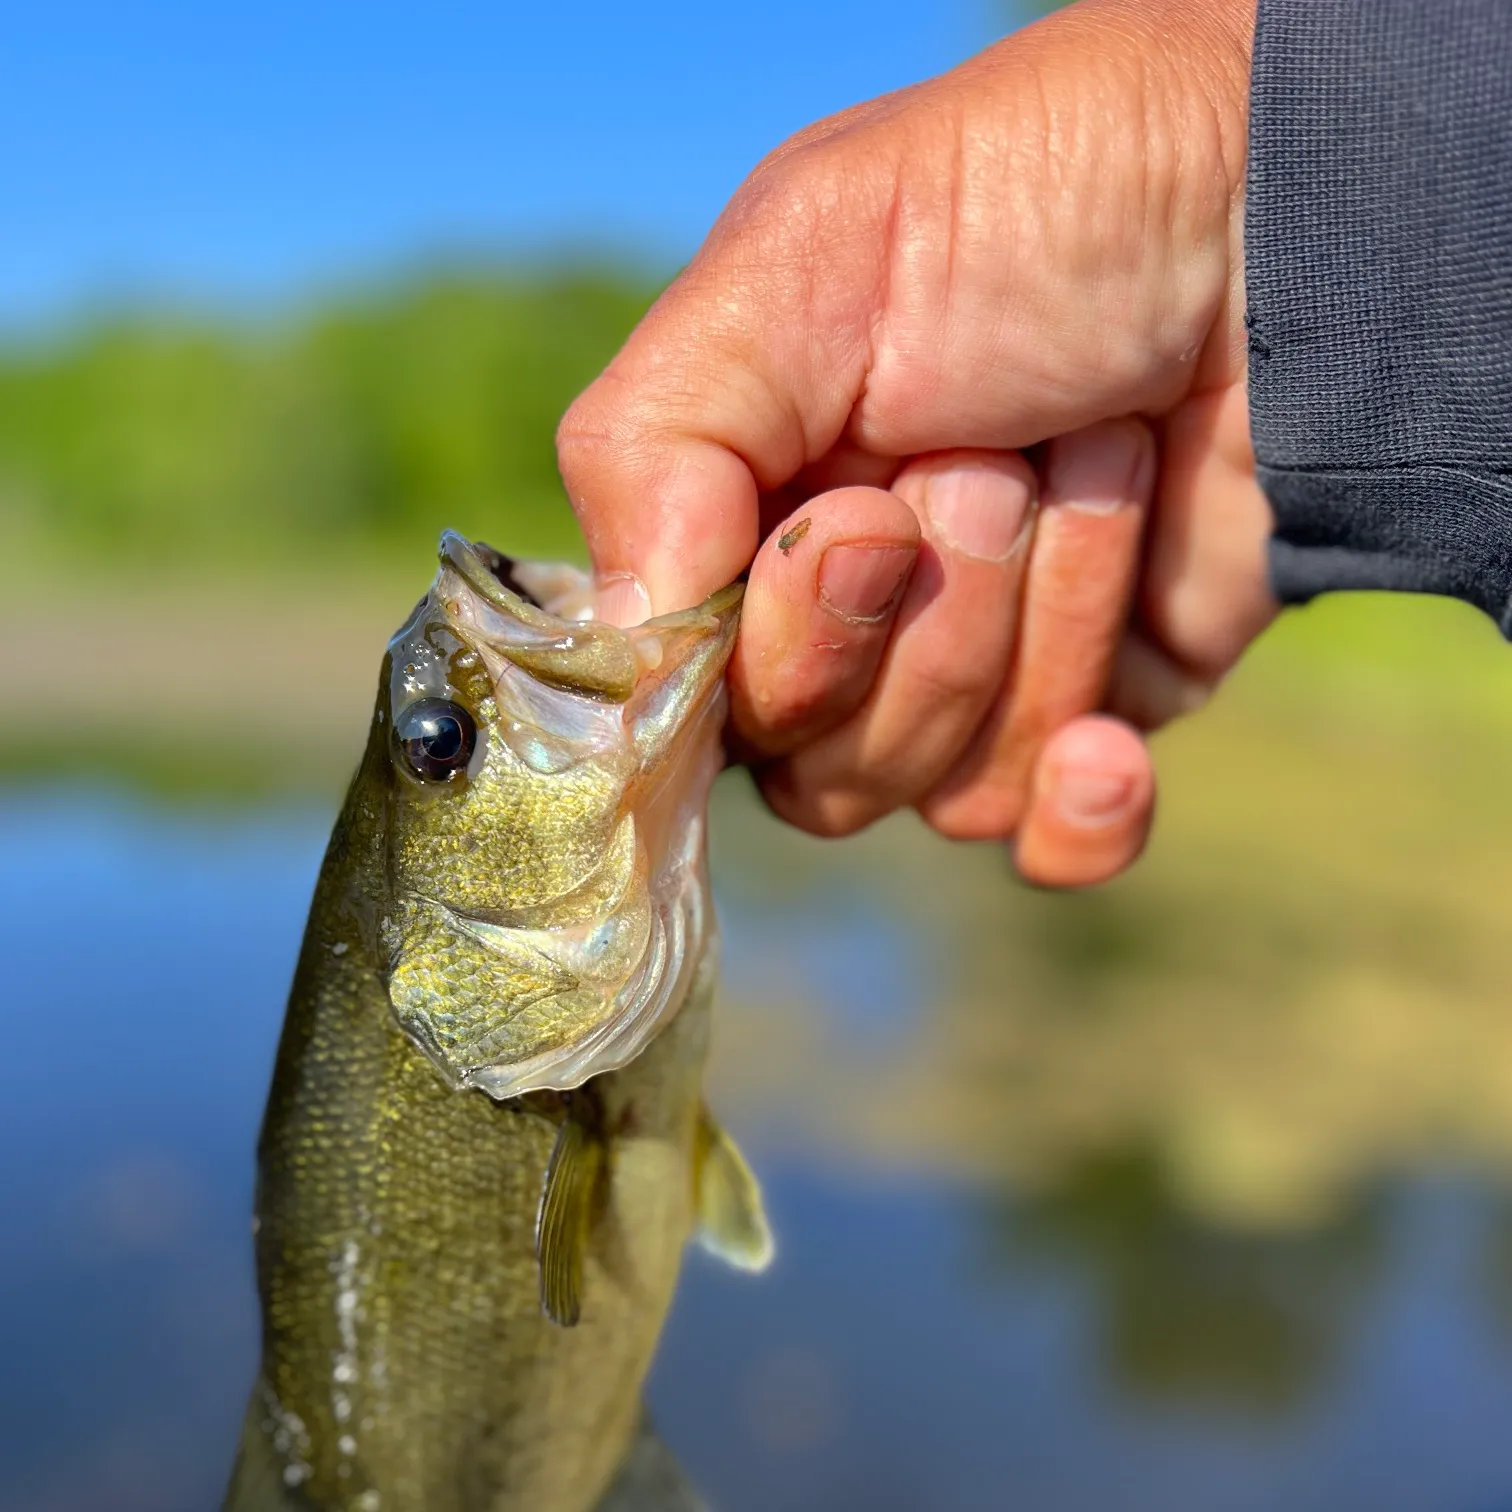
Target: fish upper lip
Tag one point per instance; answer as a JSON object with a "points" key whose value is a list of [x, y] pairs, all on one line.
{"points": [[467, 560]]}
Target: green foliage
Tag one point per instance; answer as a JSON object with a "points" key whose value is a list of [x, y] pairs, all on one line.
{"points": [[371, 424]]}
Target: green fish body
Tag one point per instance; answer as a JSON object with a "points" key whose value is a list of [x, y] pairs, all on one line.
{"points": [[485, 1143]]}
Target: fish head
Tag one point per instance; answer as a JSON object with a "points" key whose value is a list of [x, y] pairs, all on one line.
{"points": [[546, 903]]}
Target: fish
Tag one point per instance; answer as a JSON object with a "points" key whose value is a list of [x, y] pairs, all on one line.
{"points": [[486, 1144]]}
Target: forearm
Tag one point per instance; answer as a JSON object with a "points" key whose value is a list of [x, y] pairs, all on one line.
{"points": [[1379, 287]]}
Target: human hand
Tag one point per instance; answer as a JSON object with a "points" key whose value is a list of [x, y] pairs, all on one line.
{"points": [[1022, 253]]}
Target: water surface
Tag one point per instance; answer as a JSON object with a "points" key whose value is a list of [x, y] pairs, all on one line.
{"points": [[1003, 1281]]}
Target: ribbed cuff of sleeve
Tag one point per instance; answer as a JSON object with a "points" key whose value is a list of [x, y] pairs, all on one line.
{"points": [[1430, 530]]}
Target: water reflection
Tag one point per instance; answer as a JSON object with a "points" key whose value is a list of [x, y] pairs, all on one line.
{"points": [[1172, 1197], [1185, 1311]]}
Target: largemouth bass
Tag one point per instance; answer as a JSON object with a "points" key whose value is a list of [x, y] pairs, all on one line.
{"points": [[485, 1144]]}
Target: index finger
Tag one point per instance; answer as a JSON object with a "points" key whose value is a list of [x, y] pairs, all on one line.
{"points": [[746, 370]]}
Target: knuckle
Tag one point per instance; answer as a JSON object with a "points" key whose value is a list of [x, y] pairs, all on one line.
{"points": [[979, 812], [1078, 617], [772, 726], [780, 226], [610, 432], [948, 681], [827, 814], [771, 220], [584, 437], [791, 717], [1149, 690]]}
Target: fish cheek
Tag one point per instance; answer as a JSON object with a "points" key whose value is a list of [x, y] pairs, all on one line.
{"points": [[507, 839], [479, 997]]}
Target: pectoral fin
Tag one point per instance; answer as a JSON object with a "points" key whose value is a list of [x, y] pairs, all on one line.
{"points": [[732, 1220], [564, 1219]]}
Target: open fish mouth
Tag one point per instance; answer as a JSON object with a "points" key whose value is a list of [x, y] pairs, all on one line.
{"points": [[531, 988], [540, 617]]}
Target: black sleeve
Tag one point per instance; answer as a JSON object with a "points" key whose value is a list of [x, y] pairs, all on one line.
{"points": [[1379, 274]]}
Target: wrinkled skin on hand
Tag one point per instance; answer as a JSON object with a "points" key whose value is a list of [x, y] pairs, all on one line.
{"points": [[984, 336]]}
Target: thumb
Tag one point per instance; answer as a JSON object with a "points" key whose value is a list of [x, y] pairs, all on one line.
{"points": [[670, 512]]}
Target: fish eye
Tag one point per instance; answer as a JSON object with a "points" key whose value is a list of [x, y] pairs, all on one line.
{"points": [[436, 738]]}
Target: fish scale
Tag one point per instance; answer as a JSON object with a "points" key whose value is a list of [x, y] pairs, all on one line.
{"points": [[408, 1364]]}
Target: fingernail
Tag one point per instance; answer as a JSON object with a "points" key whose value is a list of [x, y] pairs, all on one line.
{"points": [[978, 511], [864, 583], [1091, 799], [1099, 471], [622, 600]]}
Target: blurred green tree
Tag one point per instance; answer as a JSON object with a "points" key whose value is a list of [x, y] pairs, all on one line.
{"points": [[373, 423]]}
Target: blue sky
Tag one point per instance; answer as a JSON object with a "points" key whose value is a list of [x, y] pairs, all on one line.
{"points": [[245, 153]]}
